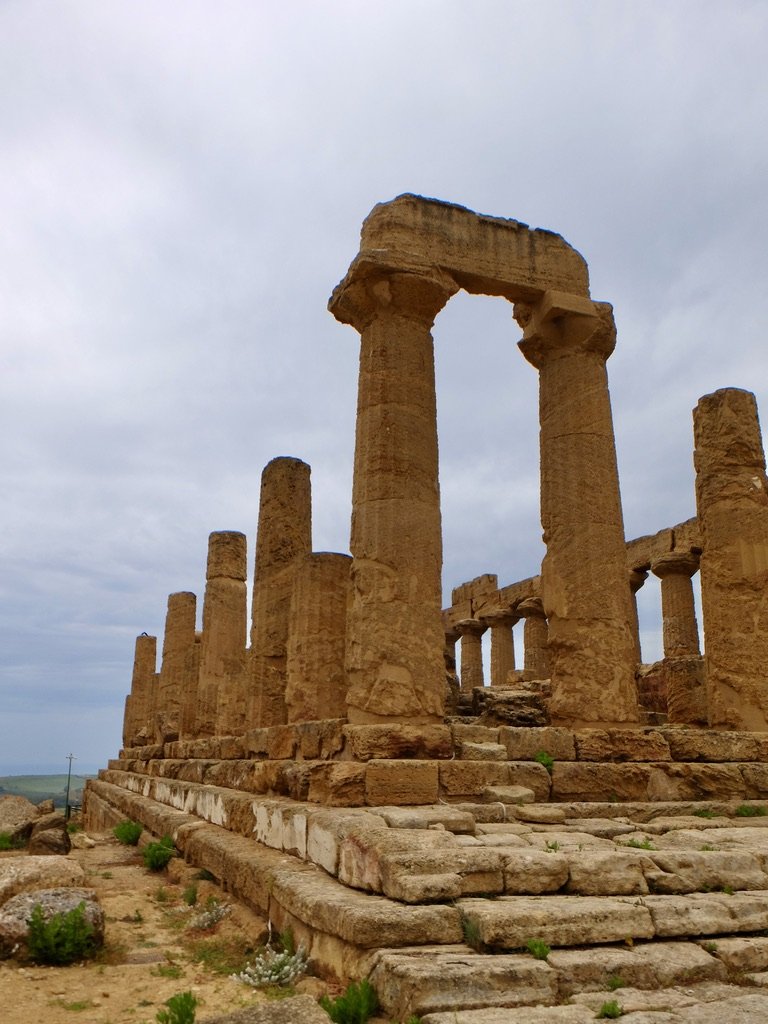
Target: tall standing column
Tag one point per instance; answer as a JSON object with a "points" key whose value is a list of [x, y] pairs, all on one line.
{"points": [[502, 646], [316, 685], [732, 506], [395, 636], [537, 663], [178, 639], [471, 674], [283, 540], [584, 574], [680, 631], [221, 685], [637, 578], [135, 723]]}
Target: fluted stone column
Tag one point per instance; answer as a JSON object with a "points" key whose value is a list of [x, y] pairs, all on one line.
{"points": [[316, 685], [732, 505], [537, 663], [637, 578], [680, 631], [394, 627], [136, 720], [189, 704], [221, 683], [584, 574], [178, 639], [502, 646], [471, 673], [284, 539]]}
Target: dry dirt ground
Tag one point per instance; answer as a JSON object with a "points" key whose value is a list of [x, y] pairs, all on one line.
{"points": [[150, 951]]}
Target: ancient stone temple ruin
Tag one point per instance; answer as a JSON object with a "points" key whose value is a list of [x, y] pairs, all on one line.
{"points": [[420, 826]]}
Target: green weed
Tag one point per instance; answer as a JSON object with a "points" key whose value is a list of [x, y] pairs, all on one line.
{"points": [[750, 811], [127, 832], [190, 895], [157, 855], [610, 1011], [354, 1006], [62, 938], [546, 759], [640, 844], [615, 981], [538, 949], [181, 1009], [705, 812]]}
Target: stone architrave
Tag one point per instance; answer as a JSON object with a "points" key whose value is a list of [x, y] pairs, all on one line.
{"points": [[680, 631], [471, 633], [537, 663], [637, 578], [316, 685], [502, 646], [283, 540], [137, 704], [221, 682], [179, 637], [414, 254], [583, 577], [732, 505]]}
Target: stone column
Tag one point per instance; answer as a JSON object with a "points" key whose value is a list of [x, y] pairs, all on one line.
{"points": [[637, 578], [537, 663], [471, 633], [189, 704], [136, 721], [283, 540], [221, 683], [395, 636], [732, 505], [178, 639], [680, 631], [316, 685], [502, 646], [584, 573]]}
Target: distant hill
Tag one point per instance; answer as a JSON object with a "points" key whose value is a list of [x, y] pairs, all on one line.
{"points": [[44, 787]]}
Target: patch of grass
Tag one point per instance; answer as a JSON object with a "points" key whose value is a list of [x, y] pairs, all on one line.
{"points": [[157, 855], [615, 981], [77, 1006], [640, 844], [704, 812], [8, 842], [106, 874], [728, 890], [190, 895], [538, 948], [470, 931], [127, 832], [750, 811], [552, 847], [167, 971], [161, 894], [181, 1009], [707, 848], [610, 1011], [354, 1006], [546, 759], [220, 956], [62, 938], [709, 947], [74, 826]]}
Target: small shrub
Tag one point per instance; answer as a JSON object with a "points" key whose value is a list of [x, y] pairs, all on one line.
{"points": [[750, 811], [610, 1011], [127, 832], [640, 844], [9, 842], [190, 895], [546, 759], [74, 826], [538, 949], [552, 847], [161, 894], [470, 931], [728, 890], [705, 812], [210, 917], [274, 968], [707, 848], [61, 939], [181, 1009], [615, 981], [354, 1006], [167, 971], [710, 947], [157, 855]]}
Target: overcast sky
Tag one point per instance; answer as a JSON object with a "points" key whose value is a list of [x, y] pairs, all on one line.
{"points": [[182, 184]]}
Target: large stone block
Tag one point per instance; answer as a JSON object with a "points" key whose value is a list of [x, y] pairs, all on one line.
{"points": [[677, 872], [337, 784], [401, 782], [365, 742], [524, 744], [530, 872], [599, 782], [695, 782], [621, 745], [607, 873], [470, 778], [709, 745]]}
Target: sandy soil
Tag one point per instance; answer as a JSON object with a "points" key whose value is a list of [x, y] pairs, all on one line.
{"points": [[149, 953]]}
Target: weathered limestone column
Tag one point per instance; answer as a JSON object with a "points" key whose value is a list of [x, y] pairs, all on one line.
{"points": [[395, 637], [680, 631], [584, 574], [221, 683], [537, 663], [316, 685], [502, 646], [178, 639], [136, 720], [283, 540], [637, 578], [732, 505], [189, 704], [471, 633]]}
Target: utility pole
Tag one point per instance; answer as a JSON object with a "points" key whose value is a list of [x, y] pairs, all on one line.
{"points": [[70, 758]]}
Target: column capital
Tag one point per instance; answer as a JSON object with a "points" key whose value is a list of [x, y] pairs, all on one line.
{"points": [[471, 627], [560, 322], [502, 617], [676, 563], [531, 608], [371, 290], [637, 578]]}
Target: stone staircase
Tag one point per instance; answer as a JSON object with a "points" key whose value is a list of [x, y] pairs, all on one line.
{"points": [[635, 865]]}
